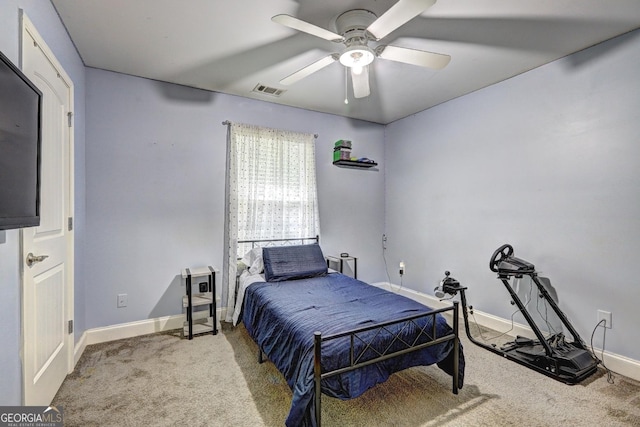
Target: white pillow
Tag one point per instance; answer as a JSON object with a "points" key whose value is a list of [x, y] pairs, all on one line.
{"points": [[253, 260]]}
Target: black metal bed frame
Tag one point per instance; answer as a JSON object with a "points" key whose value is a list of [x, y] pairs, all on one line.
{"points": [[386, 353], [268, 242], [355, 356]]}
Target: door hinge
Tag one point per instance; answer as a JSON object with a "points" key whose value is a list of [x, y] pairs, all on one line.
{"points": [[70, 118], [70, 329], [70, 223]]}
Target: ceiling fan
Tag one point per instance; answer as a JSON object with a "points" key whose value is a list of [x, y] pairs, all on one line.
{"points": [[355, 28]]}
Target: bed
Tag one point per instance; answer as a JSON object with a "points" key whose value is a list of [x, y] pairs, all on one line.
{"points": [[329, 333]]}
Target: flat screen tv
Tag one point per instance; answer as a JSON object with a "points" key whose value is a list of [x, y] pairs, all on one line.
{"points": [[20, 145]]}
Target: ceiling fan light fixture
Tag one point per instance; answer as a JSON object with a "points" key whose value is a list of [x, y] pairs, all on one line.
{"points": [[357, 69], [357, 56]]}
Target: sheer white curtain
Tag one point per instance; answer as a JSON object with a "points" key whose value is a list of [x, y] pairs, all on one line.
{"points": [[271, 191]]}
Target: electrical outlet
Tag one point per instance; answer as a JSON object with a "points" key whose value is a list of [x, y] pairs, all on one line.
{"points": [[402, 268], [384, 241], [122, 300], [203, 287], [606, 316]]}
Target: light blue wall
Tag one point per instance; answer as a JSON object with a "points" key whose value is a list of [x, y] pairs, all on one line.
{"points": [[545, 161], [548, 161], [155, 163], [45, 19]]}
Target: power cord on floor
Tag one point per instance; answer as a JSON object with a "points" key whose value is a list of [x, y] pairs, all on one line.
{"points": [[497, 336], [610, 376]]}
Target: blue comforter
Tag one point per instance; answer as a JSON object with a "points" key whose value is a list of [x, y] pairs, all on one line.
{"points": [[282, 317]]}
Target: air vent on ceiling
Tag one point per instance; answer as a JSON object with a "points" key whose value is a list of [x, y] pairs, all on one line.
{"points": [[267, 90]]}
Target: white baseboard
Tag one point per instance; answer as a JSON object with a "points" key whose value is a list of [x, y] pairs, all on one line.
{"points": [[132, 329], [619, 364], [79, 348]]}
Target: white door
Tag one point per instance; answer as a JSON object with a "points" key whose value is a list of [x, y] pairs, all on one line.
{"points": [[47, 285]]}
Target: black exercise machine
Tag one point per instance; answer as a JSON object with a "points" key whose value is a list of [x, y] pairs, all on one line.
{"points": [[566, 361]]}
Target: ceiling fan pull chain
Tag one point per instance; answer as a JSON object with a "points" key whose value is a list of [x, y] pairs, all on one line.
{"points": [[346, 83]]}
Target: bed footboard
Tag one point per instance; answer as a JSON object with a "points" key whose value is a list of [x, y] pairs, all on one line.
{"points": [[355, 361]]}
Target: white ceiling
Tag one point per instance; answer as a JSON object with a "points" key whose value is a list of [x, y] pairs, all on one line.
{"points": [[230, 46]]}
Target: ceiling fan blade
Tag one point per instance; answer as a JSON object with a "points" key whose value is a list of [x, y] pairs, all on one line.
{"points": [[308, 70], [400, 13], [421, 58], [305, 27], [360, 80]]}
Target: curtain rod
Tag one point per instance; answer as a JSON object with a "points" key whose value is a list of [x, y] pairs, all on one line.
{"points": [[227, 123]]}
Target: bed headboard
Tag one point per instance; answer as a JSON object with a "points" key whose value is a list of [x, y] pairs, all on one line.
{"points": [[245, 246]]}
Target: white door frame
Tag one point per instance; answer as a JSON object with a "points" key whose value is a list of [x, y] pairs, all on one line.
{"points": [[28, 30]]}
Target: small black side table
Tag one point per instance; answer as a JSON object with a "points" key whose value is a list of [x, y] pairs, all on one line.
{"points": [[206, 298], [341, 260]]}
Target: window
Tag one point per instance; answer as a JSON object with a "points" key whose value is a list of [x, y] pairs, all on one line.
{"points": [[276, 184], [271, 189]]}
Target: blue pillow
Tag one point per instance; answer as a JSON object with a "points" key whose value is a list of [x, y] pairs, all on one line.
{"points": [[293, 262]]}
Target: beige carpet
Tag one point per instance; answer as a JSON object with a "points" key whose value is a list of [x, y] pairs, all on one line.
{"points": [[165, 380]]}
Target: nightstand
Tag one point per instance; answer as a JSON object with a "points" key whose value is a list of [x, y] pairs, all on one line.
{"points": [[206, 295], [338, 263]]}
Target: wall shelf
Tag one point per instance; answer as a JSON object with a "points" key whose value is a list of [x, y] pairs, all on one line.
{"points": [[354, 164]]}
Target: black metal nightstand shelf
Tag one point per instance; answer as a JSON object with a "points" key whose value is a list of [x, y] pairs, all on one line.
{"points": [[206, 297], [340, 261]]}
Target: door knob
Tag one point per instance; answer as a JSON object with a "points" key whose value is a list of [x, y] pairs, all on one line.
{"points": [[32, 259]]}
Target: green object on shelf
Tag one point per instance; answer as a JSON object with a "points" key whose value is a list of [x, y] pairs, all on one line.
{"points": [[343, 143], [341, 155]]}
